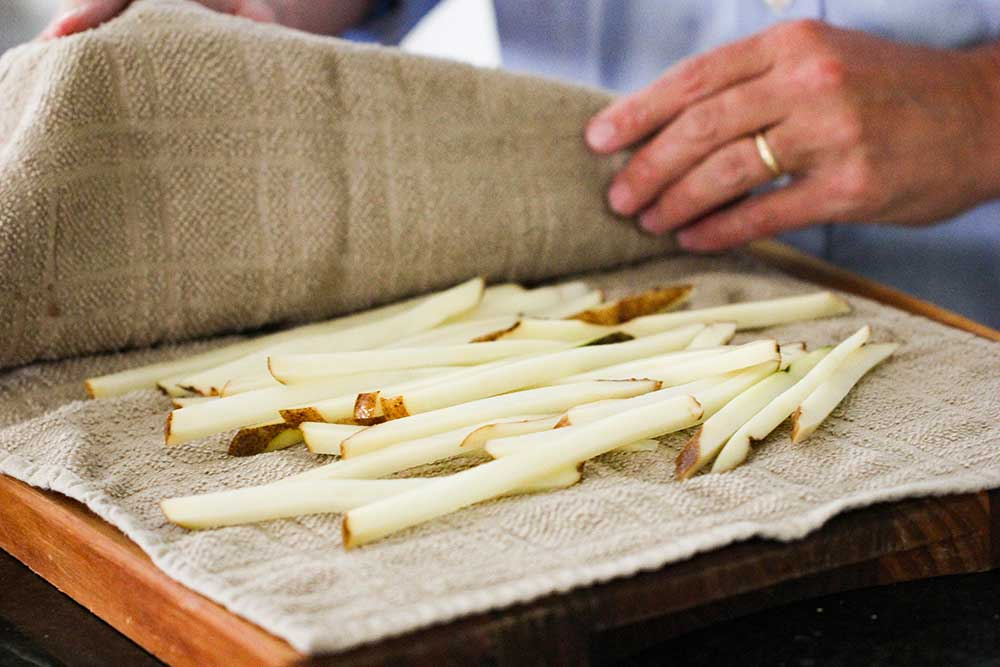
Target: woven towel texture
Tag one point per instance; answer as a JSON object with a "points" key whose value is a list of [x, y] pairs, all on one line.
{"points": [[927, 421], [178, 173]]}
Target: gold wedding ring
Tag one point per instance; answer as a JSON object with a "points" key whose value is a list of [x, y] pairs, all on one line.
{"points": [[767, 155]]}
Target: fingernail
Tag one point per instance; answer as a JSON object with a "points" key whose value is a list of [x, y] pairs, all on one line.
{"points": [[650, 221], [600, 133], [620, 198]]}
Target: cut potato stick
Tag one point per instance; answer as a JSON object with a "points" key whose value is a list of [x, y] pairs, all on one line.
{"points": [[821, 402], [269, 437], [631, 369], [396, 458], [255, 407], [508, 446], [278, 501], [790, 352], [573, 306], [591, 412], [627, 308], [301, 497], [713, 335], [747, 315], [495, 478], [761, 424], [323, 438], [425, 315], [455, 333], [700, 365], [704, 445], [540, 370], [294, 368], [505, 429], [248, 383], [168, 373], [543, 400], [571, 331]]}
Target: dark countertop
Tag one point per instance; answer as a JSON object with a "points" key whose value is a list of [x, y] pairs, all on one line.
{"points": [[951, 621]]}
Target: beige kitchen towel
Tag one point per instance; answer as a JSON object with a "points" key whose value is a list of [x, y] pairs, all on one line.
{"points": [[927, 421], [178, 173]]}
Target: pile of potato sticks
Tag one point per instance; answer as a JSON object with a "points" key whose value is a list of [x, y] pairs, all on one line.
{"points": [[533, 382]]}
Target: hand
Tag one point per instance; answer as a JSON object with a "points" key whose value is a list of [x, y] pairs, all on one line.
{"points": [[867, 128], [325, 17]]}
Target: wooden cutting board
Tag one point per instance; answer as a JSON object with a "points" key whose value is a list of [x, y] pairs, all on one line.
{"points": [[99, 567]]}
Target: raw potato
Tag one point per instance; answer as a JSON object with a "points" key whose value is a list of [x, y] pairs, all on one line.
{"points": [[570, 331], [631, 369], [747, 315], [574, 306], [540, 370], [277, 501], [454, 334], [543, 400], [301, 497], [713, 335], [761, 424], [323, 438], [295, 368], [491, 480], [701, 365], [508, 446], [704, 445], [269, 437], [255, 407], [426, 314], [185, 401], [630, 307], [828, 395], [506, 429], [591, 412]]}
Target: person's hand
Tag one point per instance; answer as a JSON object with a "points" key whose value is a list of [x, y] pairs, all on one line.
{"points": [[325, 17], [868, 130]]}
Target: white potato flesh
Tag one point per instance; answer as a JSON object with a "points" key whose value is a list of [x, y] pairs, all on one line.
{"points": [[254, 407], [761, 424], [496, 478], [510, 428], [323, 438], [295, 368], [747, 315], [543, 400], [828, 395], [704, 445], [426, 314], [541, 370], [719, 333], [455, 333], [631, 369], [573, 306]]}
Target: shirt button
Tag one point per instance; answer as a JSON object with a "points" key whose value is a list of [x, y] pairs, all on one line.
{"points": [[778, 5]]}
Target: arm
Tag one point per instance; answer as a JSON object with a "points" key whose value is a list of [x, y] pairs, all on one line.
{"points": [[868, 129]]}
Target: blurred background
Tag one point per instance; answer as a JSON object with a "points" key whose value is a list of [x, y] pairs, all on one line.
{"points": [[458, 29]]}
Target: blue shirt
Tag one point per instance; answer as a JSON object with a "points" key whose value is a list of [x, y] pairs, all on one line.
{"points": [[624, 44]]}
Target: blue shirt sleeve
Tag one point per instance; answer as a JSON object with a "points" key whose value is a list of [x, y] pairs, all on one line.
{"points": [[390, 20]]}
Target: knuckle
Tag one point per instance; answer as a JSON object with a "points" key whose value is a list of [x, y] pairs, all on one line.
{"points": [[642, 169], [847, 129], [732, 171], [699, 123], [824, 74], [800, 33], [692, 77]]}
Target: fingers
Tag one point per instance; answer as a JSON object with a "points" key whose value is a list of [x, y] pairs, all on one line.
{"points": [[635, 116], [88, 15], [728, 173], [692, 135], [798, 205]]}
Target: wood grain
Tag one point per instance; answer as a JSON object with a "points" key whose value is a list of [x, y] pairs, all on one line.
{"points": [[99, 567]]}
